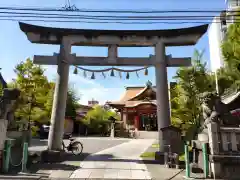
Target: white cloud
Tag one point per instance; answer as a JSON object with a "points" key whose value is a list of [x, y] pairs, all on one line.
{"points": [[91, 89], [100, 94], [76, 79]]}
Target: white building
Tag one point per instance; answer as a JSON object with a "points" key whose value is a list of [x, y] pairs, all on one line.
{"points": [[216, 34], [232, 4], [217, 31]]}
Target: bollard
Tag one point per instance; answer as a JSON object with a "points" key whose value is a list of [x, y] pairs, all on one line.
{"points": [[187, 161], [25, 157], [7, 154], [205, 160]]}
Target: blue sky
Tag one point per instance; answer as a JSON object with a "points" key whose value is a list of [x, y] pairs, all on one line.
{"points": [[14, 47]]}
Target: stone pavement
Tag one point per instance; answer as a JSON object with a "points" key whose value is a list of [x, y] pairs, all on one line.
{"points": [[119, 162]]}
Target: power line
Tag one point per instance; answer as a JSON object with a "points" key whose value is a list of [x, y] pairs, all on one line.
{"points": [[110, 18], [110, 11], [105, 22], [100, 16], [15, 14], [113, 18]]}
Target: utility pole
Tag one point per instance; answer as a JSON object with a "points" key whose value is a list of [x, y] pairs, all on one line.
{"points": [[68, 3], [69, 7]]}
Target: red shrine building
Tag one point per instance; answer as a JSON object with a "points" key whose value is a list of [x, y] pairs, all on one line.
{"points": [[138, 108]]}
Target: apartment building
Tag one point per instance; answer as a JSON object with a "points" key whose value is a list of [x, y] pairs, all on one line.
{"points": [[217, 32]]}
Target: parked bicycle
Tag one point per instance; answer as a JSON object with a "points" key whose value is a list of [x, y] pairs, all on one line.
{"points": [[74, 146]]}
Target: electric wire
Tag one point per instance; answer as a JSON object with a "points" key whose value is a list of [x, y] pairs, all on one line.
{"points": [[108, 22], [3, 15], [98, 16], [13, 15], [110, 11]]}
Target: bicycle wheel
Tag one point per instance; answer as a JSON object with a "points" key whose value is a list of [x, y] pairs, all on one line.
{"points": [[77, 148]]}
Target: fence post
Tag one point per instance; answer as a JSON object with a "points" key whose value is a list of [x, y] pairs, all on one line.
{"points": [[187, 161], [25, 157], [205, 160], [6, 155]]}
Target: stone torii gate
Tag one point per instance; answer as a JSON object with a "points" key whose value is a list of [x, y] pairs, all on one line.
{"points": [[112, 39]]}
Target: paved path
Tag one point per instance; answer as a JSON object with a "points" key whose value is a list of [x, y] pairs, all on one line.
{"points": [[119, 162], [90, 144], [65, 169]]}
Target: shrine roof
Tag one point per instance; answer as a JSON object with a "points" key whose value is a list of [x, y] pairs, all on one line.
{"points": [[45, 34], [137, 103], [128, 98], [130, 104], [130, 93]]}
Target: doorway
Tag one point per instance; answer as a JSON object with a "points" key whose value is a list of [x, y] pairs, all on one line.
{"points": [[148, 122]]}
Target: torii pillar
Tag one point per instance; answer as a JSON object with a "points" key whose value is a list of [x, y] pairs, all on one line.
{"points": [[162, 95], [60, 97]]}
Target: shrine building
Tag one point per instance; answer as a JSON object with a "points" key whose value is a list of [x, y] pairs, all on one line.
{"points": [[138, 108]]}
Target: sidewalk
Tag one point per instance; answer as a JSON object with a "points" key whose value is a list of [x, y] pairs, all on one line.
{"points": [[119, 162], [160, 172]]}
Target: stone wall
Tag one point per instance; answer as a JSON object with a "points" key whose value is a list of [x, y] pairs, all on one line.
{"points": [[224, 144], [3, 130]]}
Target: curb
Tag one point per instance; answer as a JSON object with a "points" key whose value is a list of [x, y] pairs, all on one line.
{"points": [[19, 177]]}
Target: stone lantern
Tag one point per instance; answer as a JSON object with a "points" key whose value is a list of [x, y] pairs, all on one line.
{"points": [[113, 120]]}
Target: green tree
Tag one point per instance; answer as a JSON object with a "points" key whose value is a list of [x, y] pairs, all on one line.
{"points": [[231, 53], [35, 102], [34, 88], [185, 103], [98, 119], [71, 106], [226, 81], [1, 90], [49, 101]]}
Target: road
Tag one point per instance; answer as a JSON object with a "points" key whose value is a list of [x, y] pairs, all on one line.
{"points": [[90, 144]]}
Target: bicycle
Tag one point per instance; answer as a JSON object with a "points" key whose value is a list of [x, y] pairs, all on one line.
{"points": [[74, 146]]}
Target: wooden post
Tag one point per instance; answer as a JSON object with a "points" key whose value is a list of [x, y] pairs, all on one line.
{"points": [[136, 122]]}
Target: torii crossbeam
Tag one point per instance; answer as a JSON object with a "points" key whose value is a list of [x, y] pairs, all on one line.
{"points": [[111, 39], [106, 61]]}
